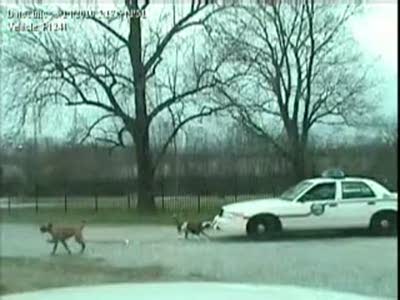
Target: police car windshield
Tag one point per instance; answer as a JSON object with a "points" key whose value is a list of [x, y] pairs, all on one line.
{"points": [[296, 190]]}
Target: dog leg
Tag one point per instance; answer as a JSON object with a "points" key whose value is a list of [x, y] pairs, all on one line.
{"points": [[66, 246], [205, 235], [83, 246], [54, 248], [79, 240]]}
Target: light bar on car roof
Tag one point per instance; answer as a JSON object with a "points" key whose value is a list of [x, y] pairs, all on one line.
{"points": [[333, 173]]}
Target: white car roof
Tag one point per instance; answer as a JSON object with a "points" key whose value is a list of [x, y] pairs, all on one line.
{"points": [[323, 179]]}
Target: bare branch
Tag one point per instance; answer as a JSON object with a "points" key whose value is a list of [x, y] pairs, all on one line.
{"points": [[204, 112], [93, 126], [109, 29], [178, 27]]}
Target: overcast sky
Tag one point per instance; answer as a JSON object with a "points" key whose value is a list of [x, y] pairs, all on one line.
{"points": [[375, 30]]}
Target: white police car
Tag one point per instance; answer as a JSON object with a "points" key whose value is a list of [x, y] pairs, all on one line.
{"points": [[332, 201]]}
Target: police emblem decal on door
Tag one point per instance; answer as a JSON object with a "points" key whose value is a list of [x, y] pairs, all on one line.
{"points": [[317, 209]]}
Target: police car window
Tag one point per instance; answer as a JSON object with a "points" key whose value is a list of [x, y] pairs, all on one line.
{"points": [[351, 190], [321, 192], [296, 190]]}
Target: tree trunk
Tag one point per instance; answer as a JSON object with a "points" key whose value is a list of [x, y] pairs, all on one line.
{"points": [[144, 160], [299, 165], [298, 160], [296, 151], [140, 125], [1, 180], [145, 182]]}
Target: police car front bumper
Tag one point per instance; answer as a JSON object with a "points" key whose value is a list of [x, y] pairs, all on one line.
{"points": [[230, 223]]}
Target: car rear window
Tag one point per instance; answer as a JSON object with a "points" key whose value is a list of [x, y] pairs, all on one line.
{"points": [[351, 190]]}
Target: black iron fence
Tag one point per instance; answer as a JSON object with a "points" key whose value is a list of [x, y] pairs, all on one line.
{"points": [[183, 185], [170, 194], [97, 202]]}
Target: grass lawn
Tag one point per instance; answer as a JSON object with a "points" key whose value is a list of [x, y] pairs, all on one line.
{"points": [[107, 216], [20, 274]]}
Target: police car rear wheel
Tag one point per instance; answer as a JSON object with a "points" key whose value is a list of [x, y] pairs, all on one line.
{"points": [[384, 223]]}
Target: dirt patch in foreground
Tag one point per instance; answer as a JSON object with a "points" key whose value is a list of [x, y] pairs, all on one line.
{"points": [[20, 274]]}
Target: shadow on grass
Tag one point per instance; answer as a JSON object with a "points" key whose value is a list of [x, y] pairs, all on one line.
{"points": [[20, 274], [304, 236]]}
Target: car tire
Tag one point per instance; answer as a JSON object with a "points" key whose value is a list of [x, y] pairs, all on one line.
{"points": [[384, 223], [263, 227]]}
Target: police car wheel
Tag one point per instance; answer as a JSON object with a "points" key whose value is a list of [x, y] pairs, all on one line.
{"points": [[263, 227], [384, 223]]}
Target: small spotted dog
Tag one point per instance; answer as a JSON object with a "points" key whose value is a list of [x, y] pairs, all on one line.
{"points": [[193, 227]]}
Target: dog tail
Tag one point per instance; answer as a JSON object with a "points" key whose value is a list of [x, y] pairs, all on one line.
{"points": [[83, 223]]}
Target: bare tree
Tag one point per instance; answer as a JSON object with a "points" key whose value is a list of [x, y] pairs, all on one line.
{"points": [[390, 134], [305, 70], [114, 71], [386, 129]]}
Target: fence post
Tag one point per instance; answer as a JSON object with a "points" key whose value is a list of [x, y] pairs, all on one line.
{"points": [[236, 187], [129, 200], [9, 205], [65, 201], [36, 198], [162, 197], [96, 206], [198, 203]]}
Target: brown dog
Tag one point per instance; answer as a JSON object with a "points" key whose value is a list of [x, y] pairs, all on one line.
{"points": [[62, 233]]}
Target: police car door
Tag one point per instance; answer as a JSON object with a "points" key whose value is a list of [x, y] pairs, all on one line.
{"points": [[321, 202], [356, 204]]}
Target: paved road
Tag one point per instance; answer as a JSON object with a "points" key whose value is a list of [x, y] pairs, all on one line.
{"points": [[357, 264]]}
